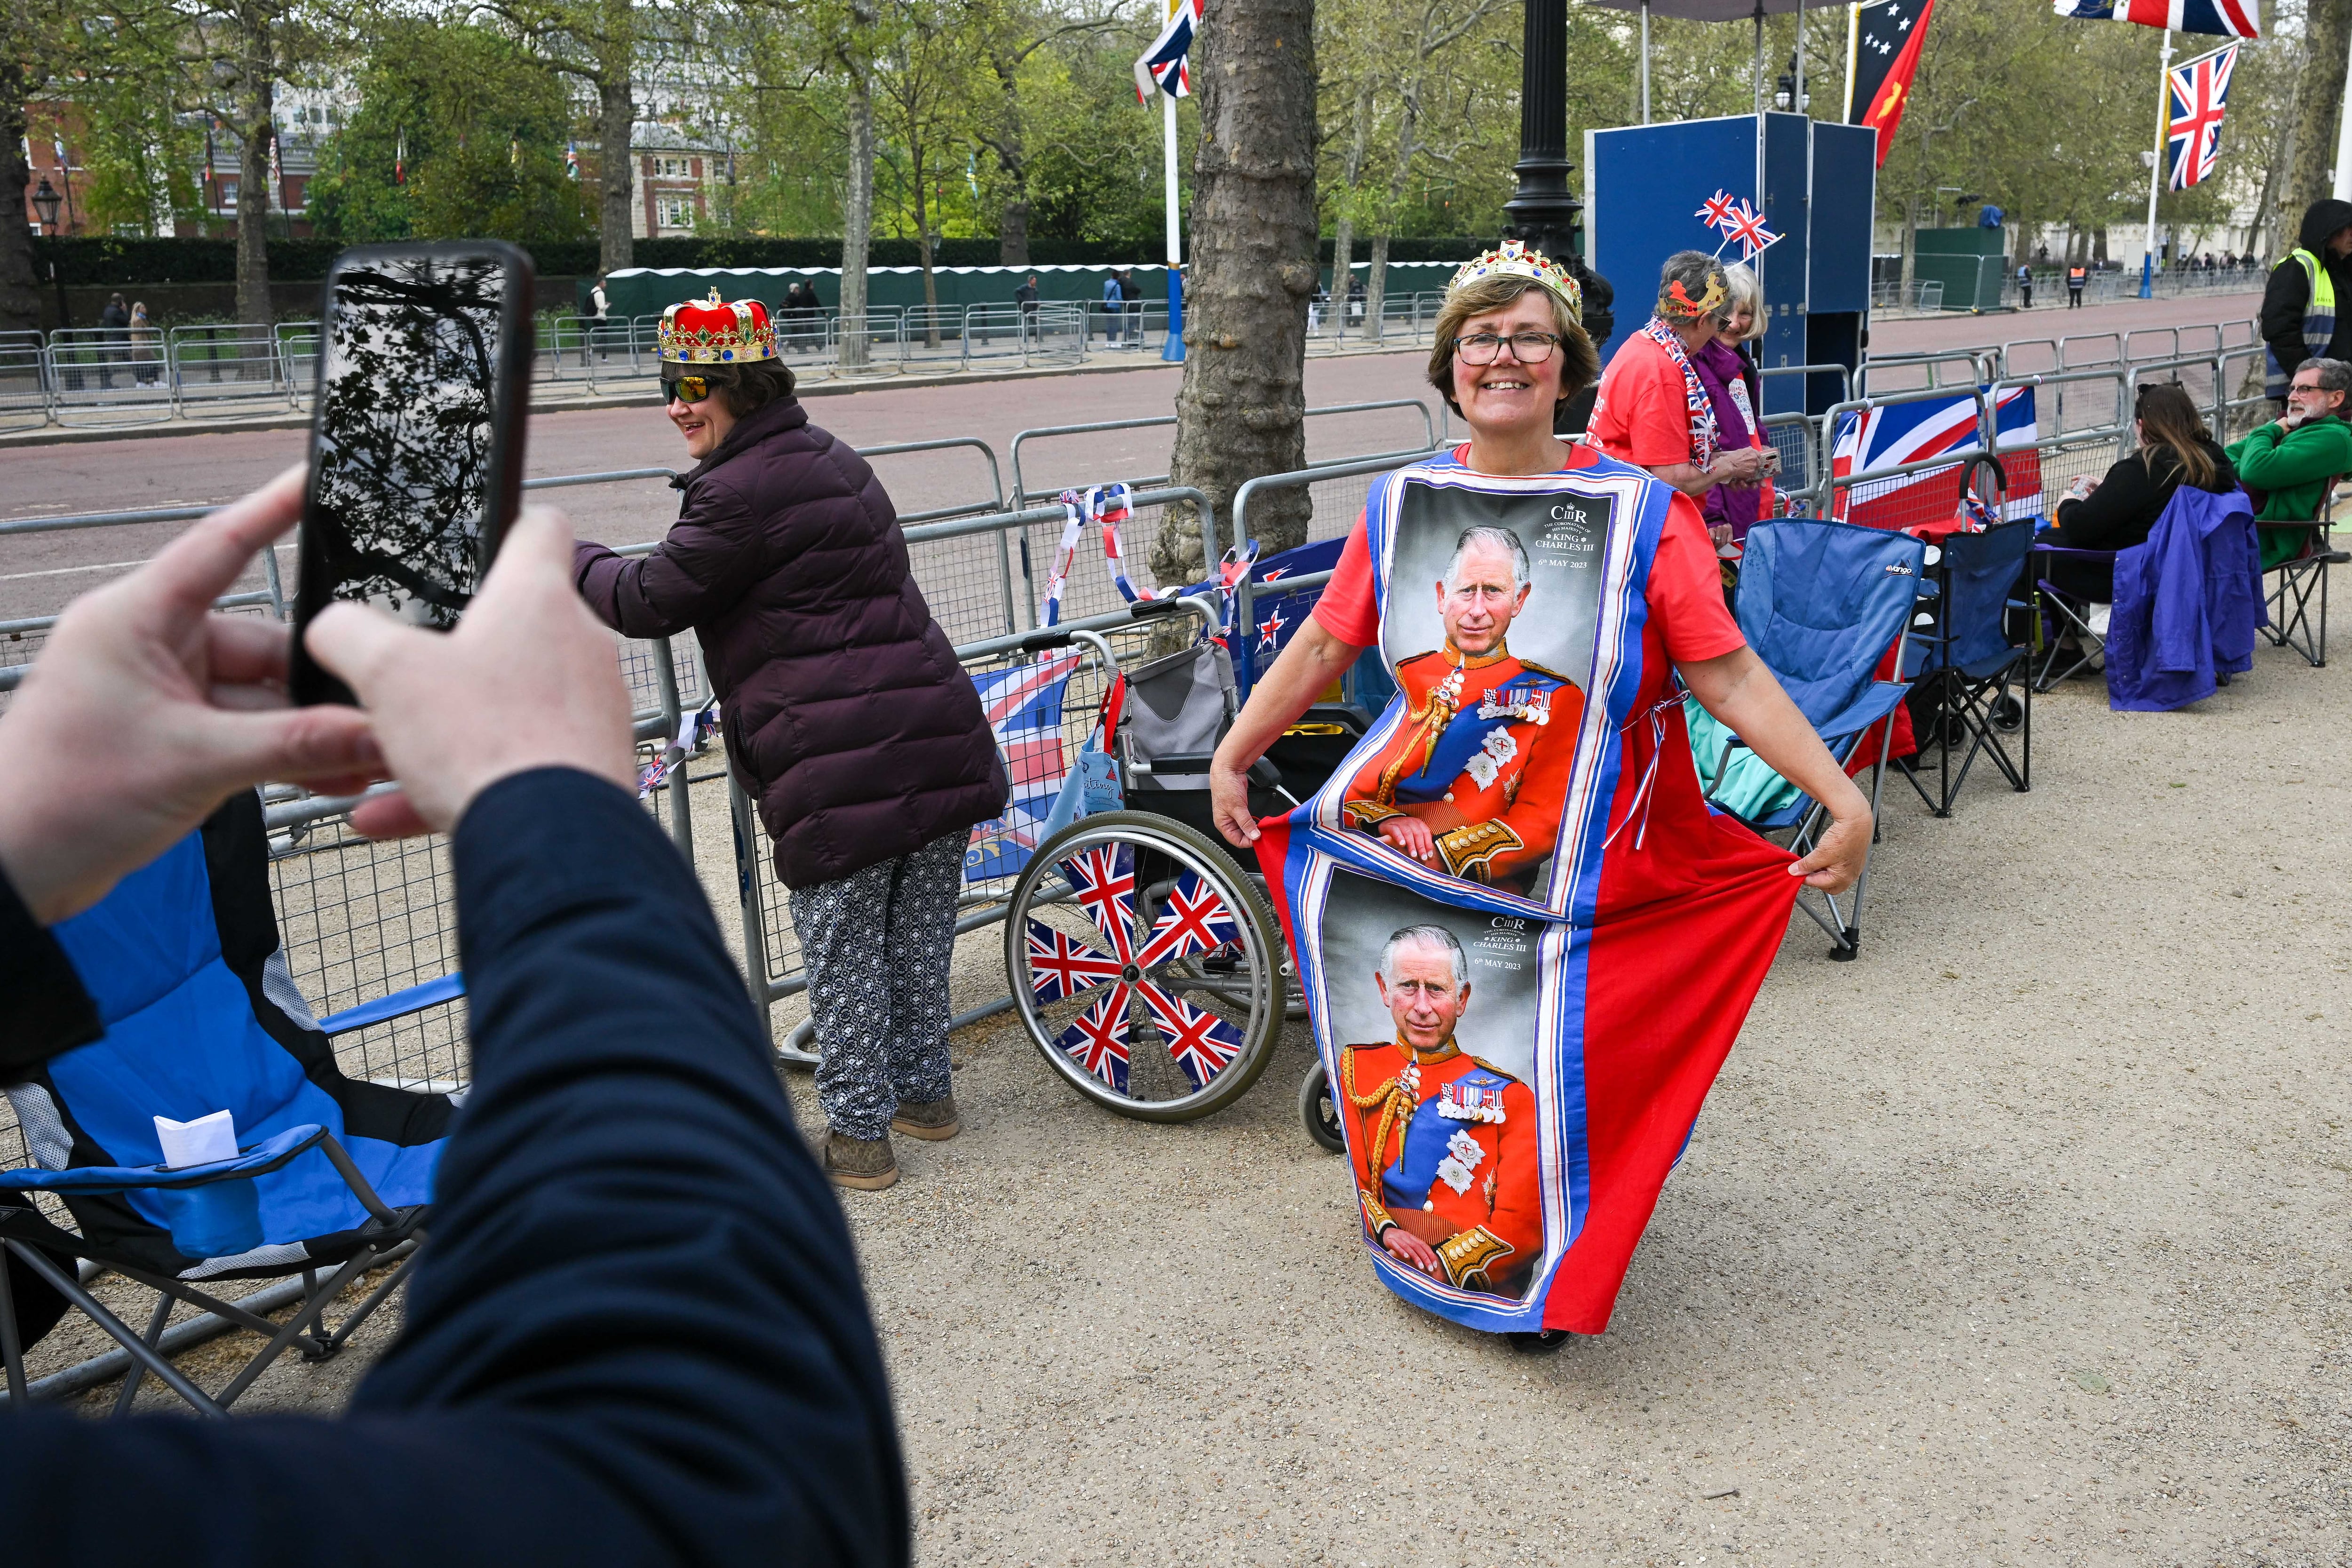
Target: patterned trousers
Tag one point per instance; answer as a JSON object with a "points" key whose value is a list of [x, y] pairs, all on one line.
{"points": [[876, 945]]}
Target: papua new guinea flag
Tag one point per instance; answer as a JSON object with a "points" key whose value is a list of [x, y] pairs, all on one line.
{"points": [[1525, 941]]}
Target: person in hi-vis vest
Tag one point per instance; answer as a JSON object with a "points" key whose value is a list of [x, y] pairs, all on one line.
{"points": [[2300, 318]]}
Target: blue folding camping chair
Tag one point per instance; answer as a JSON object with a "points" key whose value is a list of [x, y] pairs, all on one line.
{"points": [[1980, 700], [1822, 603], [329, 1174]]}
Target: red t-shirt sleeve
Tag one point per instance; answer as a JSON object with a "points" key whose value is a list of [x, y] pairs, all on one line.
{"points": [[1642, 413], [1686, 590], [1346, 610]]}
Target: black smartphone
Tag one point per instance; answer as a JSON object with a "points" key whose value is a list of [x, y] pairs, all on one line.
{"points": [[416, 439]]}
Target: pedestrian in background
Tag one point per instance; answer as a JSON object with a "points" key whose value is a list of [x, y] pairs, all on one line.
{"points": [[845, 715], [1114, 308], [1026, 295], [146, 346], [115, 347], [2300, 317], [2077, 276], [1735, 389], [2024, 287], [599, 317]]}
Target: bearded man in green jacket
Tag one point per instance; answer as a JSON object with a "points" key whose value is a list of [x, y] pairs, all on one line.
{"points": [[2290, 462]]}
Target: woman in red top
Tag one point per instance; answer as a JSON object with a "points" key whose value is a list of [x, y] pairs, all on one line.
{"points": [[1510, 352], [1653, 410]]}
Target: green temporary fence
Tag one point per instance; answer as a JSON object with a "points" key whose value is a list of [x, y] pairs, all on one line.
{"points": [[649, 290], [1968, 262]]}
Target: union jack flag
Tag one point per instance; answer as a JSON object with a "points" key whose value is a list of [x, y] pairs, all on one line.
{"points": [[1716, 210], [1203, 1043], [1896, 433], [1061, 965], [2219, 18], [1024, 705], [1746, 226], [1097, 1041], [2200, 94], [1165, 64]]}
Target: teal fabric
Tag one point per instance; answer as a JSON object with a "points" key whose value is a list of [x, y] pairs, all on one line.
{"points": [[1750, 789]]}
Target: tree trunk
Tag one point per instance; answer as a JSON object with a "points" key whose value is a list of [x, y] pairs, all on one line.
{"points": [[2273, 177], [1375, 288], [1351, 169], [616, 127], [2327, 28], [923, 244], [20, 285], [255, 105], [857, 217], [1242, 411], [1012, 163], [2099, 246]]}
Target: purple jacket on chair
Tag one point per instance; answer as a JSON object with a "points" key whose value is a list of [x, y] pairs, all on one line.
{"points": [[2187, 604], [846, 714]]}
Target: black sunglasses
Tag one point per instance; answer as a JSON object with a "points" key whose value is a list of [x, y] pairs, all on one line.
{"points": [[685, 388]]}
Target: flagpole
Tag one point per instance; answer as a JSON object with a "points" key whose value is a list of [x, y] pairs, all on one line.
{"points": [[2156, 168], [1172, 349], [1645, 62]]}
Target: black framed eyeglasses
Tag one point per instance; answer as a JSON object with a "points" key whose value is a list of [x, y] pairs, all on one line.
{"points": [[1527, 348], [685, 388]]}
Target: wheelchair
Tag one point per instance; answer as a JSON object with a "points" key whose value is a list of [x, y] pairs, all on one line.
{"points": [[1143, 960]]}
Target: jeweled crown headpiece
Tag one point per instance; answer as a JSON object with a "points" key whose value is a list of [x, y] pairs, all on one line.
{"points": [[716, 331], [1512, 258]]}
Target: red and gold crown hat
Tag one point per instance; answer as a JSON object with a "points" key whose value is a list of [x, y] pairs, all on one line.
{"points": [[1512, 258], [716, 331]]}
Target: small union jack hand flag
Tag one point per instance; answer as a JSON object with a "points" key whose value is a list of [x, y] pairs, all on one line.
{"points": [[1747, 227], [1716, 210]]}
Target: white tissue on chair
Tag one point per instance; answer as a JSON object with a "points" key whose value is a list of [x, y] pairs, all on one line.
{"points": [[197, 1142], [2101, 615]]}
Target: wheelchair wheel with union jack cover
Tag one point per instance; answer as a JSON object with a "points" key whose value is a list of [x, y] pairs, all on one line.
{"points": [[1144, 965]]}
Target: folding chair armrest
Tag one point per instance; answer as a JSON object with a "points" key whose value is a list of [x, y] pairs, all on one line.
{"points": [[270, 1154], [358, 1185], [399, 1005], [2077, 555]]}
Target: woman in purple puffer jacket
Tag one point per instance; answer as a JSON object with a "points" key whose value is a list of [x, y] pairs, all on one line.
{"points": [[845, 715], [1734, 388]]}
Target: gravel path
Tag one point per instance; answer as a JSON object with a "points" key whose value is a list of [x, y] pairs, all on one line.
{"points": [[2018, 1241]]}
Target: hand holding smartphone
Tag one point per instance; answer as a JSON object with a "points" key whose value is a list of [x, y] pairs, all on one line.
{"points": [[416, 444]]}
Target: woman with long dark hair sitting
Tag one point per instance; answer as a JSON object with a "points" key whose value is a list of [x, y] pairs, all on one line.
{"points": [[2117, 511]]}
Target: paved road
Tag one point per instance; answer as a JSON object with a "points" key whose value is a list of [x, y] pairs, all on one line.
{"points": [[39, 574]]}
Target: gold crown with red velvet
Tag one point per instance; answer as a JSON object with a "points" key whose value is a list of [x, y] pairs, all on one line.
{"points": [[716, 331], [1512, 258]]}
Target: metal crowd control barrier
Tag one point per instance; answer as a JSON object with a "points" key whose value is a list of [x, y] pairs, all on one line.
{"points": [[24, 381], [1879, 369], [870, 345], [92, 382], [1023, 494], [298, 360], [2080, 351], [229, 370], [771, 953]]}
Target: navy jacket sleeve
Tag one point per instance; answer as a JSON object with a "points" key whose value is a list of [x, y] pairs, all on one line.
{"points": [[637, 1335], [43, 1008]]}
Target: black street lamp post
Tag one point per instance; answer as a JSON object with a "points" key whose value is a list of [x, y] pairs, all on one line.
{"points": [[45, 201], [1544, 212]]}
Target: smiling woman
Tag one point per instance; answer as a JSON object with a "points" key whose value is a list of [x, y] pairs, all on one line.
{"points": [[846, 714]]}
